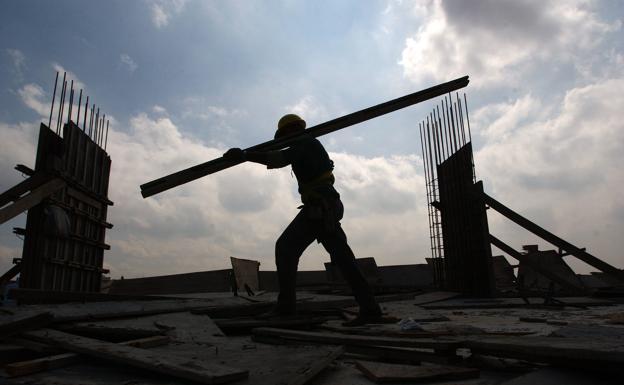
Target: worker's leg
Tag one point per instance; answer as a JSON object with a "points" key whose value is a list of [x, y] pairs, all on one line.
{"points": [[335, 242], [288, 248]]}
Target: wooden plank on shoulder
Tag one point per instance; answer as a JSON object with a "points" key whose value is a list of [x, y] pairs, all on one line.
{"points": [[194, 370], [24, 368]]}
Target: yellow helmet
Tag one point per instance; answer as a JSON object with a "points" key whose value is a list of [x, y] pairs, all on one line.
{"points": [[288, 124]]}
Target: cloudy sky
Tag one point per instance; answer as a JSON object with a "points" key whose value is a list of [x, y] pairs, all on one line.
{"points": [[184, 80]]}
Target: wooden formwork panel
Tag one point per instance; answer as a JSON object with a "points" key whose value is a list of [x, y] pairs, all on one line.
{"points": [[68, 258], [467, 251]]}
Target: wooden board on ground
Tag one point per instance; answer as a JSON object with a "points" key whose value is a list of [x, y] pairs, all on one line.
{"points": [[205, 372], [554, 376], [238, 325], [183, 327], [23, 368], [346, 339], [434, 296], [501, 303], [107, 310], [16, 323], [384, 373], [572, 352], [246, 274], [307, 373], [35, 296]]}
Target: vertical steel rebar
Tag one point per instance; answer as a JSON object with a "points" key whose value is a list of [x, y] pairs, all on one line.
{"points": [[97, 122], [459, 126], [450, 124], [467, 118], [53, 97], [86, 112], [60, 111], [79, 104], [71, 101], [106, 138]]}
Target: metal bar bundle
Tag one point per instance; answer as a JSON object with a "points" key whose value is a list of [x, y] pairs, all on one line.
{"points": [[218, 164]]}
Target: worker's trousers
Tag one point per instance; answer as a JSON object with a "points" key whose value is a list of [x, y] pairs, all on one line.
{"points": [[322, 224]]}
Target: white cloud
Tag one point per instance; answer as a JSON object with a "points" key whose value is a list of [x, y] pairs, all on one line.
{"points": [[127, 62], [308, 108], [162, 11], [496, 41], [561, 170], [78, 84], [19, 61], [32, 95]]}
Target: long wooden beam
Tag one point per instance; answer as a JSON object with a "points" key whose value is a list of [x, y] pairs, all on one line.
{"points": [[181, 177], [31, 199], [552, 238]]}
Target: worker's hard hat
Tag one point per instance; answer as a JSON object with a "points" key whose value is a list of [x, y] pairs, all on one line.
{"points": [[288, 124]]}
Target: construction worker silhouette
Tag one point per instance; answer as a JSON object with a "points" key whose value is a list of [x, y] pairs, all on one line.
{"points": [[319, 218]]}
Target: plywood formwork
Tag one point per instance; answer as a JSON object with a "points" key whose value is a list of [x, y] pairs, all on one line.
{"points": [[65, 234]]}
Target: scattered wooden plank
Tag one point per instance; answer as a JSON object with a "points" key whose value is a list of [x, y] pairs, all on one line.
{"points": [[14, 324], [239, 325], [552, 376], [580, 352], [508, 303], [35, 296], [384, 373], [194, 370], [182, 327], [434, 296], [398, 355], [109, 310], [60, 360], [113, 334], [307, 373], [355, 340]]}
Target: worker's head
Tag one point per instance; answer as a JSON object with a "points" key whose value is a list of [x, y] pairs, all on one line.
{"points": [[289, 124]]}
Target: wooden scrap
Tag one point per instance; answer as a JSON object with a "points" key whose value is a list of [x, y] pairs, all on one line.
{"points": [[508, 303], [24, 368], [548, 376], [397, 355], [355, 340], [238, 325], [14, 324], [107, 333], [246, 274], [199, 371], [580, 352], [434, 296], [182, 327], [307, 373], [35, 296], [110, 310], [384, 373]]}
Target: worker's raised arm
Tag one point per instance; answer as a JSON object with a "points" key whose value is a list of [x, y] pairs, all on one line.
{"points": [[271, 159]]}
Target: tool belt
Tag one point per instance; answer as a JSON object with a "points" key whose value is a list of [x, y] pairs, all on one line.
{"points": [[308, 191]]}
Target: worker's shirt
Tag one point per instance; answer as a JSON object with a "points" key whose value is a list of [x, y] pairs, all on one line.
{"points": [[312, 168]]}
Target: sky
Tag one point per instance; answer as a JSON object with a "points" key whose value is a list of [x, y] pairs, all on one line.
{"points": [[182, 81]]}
